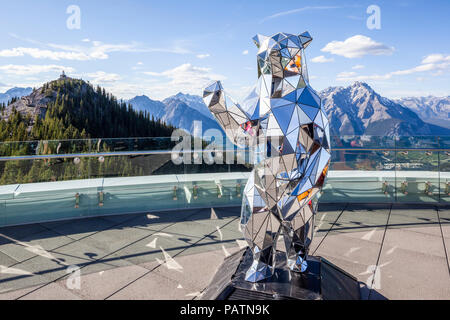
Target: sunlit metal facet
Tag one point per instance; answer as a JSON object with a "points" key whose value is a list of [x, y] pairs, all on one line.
{"points": [[285, 114]]}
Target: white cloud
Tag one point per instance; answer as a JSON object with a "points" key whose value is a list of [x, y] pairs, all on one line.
{"points": [[436, 63], [93, 50], [86, 40], [140, 63], [33, 69], [356, 47], [100, 49], [187, 73], [358, 66], [102, 77], [245, 52], [44, 54], [436, 58], [203, 56], [346, 74], [298, 10], [185, 78], [353, 76], [419, 68], [321, 59]]}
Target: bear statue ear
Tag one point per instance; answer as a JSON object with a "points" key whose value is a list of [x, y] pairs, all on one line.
{"points": [[259, 39], [305, 39]]}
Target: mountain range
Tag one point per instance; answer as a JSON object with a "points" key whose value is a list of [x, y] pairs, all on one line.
{"points": [[179, 111], [359, 110], [430, 109], [14, 92], [353, 110]]}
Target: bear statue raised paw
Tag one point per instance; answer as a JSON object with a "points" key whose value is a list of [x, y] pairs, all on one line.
{"points": [[282, 116]]}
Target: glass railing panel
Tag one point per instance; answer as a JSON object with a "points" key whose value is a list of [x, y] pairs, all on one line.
{"points": [[139, 194], [150, 164], [444, 169], [444, 176], [43, 170], [17, 171], [417, 142], [144, 182], [6, 193], [214, 178], [45, 148], [47, 201], [2, 212], [362, 142], [444, 142], [140, 174], [417, 176], [360, 175], [8, 149], [212, 189], [82, 146], [132, 144]]}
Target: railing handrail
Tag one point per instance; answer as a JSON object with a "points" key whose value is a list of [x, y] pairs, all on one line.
{"points": [[338, 143], [150, 152], [392, 138]]}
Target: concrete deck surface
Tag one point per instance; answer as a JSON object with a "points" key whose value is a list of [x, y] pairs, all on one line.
{"points": [[396, 253]]}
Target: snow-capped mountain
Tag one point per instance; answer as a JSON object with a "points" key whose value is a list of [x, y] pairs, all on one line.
{"points": [[176, 111], [435, 110], [14, 92], [193, 101], [353, 110], [358, 109]]}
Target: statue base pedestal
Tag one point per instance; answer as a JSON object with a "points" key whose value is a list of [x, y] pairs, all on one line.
{"points": [[321, 281]]}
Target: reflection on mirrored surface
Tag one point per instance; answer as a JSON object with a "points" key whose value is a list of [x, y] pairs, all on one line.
{"points": [[283, 116]]}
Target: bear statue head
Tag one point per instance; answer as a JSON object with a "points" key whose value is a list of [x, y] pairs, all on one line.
{"points": [[281, 56]]}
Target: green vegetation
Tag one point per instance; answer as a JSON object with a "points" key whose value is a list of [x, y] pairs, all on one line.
{"points": [[76, 110]]}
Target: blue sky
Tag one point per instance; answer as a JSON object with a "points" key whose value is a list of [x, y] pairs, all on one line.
{"points": [[159, 48]]}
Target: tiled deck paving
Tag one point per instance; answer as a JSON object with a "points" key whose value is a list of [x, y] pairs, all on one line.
{"points": [[402, 253]]}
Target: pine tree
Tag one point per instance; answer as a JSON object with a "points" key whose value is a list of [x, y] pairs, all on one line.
{"points": [[77, 110]]}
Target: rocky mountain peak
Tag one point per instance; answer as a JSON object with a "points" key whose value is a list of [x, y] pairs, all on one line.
{"points": [[361, 85], [35, 102], [358, 109], [193, 101], [181, 95]]}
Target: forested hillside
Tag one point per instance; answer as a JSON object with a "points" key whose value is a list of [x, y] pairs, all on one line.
{"points": [[67, 109], [73, 109]]}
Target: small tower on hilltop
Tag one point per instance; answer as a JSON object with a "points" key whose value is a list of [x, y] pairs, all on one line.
{"points": [[63, 76]]}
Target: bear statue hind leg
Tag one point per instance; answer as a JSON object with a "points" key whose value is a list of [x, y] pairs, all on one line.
{"points": [[261, 229], [297, 241], [262, 242], [262, 266]]}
